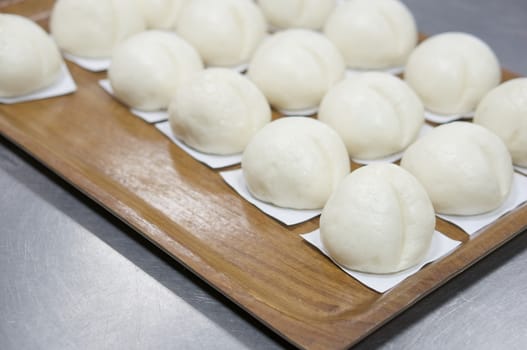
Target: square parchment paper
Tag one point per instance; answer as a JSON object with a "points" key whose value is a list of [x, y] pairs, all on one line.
{"points": [[212, 160], [440, 246], [235, 179], [149, 117], [64, 85], [473, 223]]}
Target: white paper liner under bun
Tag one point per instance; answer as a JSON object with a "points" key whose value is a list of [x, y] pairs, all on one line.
{"points": [[64, 85], [91, 64]]}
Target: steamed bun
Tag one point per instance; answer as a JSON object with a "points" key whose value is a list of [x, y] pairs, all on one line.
{"points": [[504, 112], [465, 168], [29, 59], [218, 111], [162, 14], [225, 32], [295, 68], [148, 68], [376, 114], [295, 162], [283, 14], [451, 72], [372, 34], [379, 220], [91, 29]]}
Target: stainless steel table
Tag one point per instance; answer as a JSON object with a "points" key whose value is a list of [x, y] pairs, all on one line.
{"points": [[74, 277]]}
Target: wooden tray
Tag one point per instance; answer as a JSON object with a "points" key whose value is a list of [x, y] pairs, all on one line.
{"points": [[186, 209]]}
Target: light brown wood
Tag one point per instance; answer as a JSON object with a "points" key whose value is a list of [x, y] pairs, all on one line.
{"points": [[186, 209], [36, 10]]}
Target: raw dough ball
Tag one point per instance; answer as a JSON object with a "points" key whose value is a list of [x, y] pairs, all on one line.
{"points": [[162, 14], [504, 111], [148, 68], [218, 111], [465, 168], [92, 29], [376, 114], [379, 220], [225, 32], [295, 162], [451, 72], [29, 59], [295, 68], [372, 34], [310, 14]]}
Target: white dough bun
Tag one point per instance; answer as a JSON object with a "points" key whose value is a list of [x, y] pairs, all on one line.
{"points": [[379, 220], [88, 28], [295, 68], [451, 72], [29, 59], [148, 68], [162, 14], [376, 114], [295, 162], [372, 34], [218, 111], [504, 112], [225, 32], [465, 168], [285, 14]]}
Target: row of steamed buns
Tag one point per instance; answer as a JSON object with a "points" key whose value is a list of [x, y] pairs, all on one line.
{"points": [[227, 32], [360, 34], [380, 218], [294, 68], [460, 168]]}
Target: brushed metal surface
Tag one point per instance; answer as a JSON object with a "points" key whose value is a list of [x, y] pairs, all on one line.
{"points": [[73, 277]]}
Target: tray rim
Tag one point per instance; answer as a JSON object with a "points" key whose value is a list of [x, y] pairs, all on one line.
{"points": [[130, 217]]}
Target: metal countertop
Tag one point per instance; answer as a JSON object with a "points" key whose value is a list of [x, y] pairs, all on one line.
{"points": [[74, 277]]}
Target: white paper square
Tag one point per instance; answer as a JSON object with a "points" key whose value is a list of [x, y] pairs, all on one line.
{"points": [[443, 119], [473, 223], [440, 246], [299, 112], [393, 157], [91, 64], [149, 117], [350, 72], [63, 86], [235, 179], [520, 169], [213, 161], [241, 68]]}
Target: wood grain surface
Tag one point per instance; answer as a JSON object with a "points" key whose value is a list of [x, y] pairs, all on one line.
{"points": [[186, 209]]}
